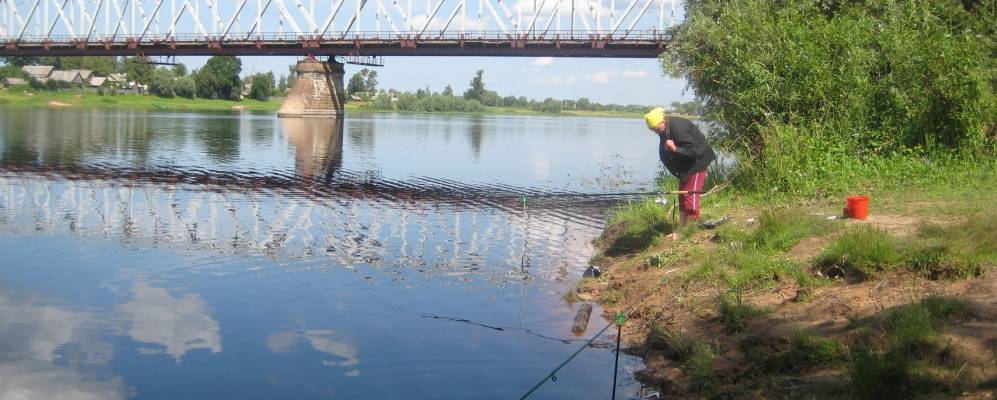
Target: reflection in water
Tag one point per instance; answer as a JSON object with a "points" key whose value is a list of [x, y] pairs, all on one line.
{"points": [[318, 145], [321, 340], [34, 359], [179, 324], [252, 213], [380, 233]]}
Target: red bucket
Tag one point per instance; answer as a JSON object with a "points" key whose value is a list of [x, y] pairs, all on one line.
{"points": [[858, 206]]}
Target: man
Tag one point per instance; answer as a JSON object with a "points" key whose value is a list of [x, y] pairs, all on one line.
{"points": [[686, 154]]}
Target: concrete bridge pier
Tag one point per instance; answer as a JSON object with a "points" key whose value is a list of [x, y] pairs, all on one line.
{"points": [[318, 91]]}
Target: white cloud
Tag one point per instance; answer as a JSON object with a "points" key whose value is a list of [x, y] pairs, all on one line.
{"points": [[634, 74], [600, 78], [180, 324], [543, 61]]}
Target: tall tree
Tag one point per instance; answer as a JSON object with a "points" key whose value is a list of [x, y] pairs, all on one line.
{"points": [[219, 78], [356, 84], [370, 83], [261, 86], [180, 70], [477, 89], [138, 70]]}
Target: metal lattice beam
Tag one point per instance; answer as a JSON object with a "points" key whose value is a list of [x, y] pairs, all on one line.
{"points": [[201, 27]]}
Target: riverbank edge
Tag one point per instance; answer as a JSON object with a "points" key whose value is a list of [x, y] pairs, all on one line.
{"points": [[88, 100], [700, 340]]}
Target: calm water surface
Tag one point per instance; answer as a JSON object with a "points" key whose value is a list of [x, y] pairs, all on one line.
{"points": [[168, 255]]}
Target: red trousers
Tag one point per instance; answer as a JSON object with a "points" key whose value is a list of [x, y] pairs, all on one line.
{"points": [[689, 203]]}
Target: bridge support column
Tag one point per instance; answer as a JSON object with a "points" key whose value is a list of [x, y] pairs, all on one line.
{"points": [[317, 93]]}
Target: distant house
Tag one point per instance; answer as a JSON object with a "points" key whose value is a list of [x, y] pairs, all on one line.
{"points": [[85, 74], [8, 82], [38, 72], [117, 79], [71, 77], [98, 81]]}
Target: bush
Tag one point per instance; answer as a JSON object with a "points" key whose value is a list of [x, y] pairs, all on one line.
{"points": [[261, 86], [184, 87], [817, 93], [100, 91], [161, 82]]}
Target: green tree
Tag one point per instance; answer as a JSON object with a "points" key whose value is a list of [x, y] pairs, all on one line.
{"points": [[219, 78], [448, 91], [161, 84], [137, 70], [185, 87], [843, 77], [370, 82], [477, 89], [261, 86], [180, 70], [356, 84]]}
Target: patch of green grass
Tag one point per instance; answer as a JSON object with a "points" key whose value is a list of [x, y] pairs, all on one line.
{"points": [[661, 259], [859, 253], [780, 229], [902, 369], [751, 269], [694, 356], [806, 350], [735, 313], [956, 251], [634, 227]]}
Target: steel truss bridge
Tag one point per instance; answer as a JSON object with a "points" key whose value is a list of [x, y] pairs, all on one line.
{"points": [[560, 28]]}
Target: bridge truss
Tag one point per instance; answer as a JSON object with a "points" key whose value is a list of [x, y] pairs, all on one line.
{"points": [[585, 28]]}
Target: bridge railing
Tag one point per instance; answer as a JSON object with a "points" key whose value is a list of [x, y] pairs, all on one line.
{"points": [[640, 35]]}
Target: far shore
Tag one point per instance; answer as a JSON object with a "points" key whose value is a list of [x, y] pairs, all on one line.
{"points": [[86, 99]]}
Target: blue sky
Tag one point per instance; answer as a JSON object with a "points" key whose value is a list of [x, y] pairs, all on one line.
{"points": [[621, 81]]}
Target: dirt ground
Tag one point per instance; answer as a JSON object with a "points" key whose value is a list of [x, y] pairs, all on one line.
{"points": [[659, 300]]}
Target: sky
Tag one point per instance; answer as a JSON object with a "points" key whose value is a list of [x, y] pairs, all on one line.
{"points": [[620, 81]]}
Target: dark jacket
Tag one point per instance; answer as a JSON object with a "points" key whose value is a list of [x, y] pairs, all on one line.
{"points": [[693, 153]]}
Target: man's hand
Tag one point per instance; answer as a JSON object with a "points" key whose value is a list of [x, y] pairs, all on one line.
{"points": [[670, 146]]}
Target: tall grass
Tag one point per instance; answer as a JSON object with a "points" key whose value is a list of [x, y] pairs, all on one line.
{"points": [[860, 252], [635, 226]]}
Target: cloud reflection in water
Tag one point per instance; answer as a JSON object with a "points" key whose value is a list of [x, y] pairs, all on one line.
{"points": [[321, 340]]}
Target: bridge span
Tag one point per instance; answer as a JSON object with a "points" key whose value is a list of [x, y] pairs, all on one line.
{"points": [[556, 28]]}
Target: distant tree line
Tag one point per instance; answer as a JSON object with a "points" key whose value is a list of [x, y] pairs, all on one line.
{"points": [[218, 79], [476, 97]]}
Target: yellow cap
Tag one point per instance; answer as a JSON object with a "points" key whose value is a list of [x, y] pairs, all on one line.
{"points": [[654, 117]]}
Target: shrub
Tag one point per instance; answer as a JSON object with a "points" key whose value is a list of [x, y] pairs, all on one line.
{"points": [[161, 83], [820, 95], [184, 87]]}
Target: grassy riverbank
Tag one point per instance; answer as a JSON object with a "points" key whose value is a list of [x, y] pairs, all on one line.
{"points": [[788, 301], [20, 98]]}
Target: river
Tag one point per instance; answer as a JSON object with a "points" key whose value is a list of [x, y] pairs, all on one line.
{"points": [[197, 255]]}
